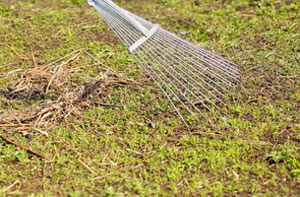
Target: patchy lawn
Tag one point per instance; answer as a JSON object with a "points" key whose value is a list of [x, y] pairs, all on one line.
{"points": [[78, 116]]}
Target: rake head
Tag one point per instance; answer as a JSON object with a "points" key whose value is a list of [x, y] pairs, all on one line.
{"points": [[193, 79]]}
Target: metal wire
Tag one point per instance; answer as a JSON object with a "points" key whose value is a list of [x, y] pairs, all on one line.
{"points": [[193, 79]]}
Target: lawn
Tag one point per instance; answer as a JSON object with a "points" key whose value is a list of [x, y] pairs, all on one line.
{"points": [[79, 117]]}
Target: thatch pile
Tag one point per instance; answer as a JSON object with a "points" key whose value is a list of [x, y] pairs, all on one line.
{"points": [[57, 94]]}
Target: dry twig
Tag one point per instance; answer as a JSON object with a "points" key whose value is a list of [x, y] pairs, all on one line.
{"points": [[29, 150]]}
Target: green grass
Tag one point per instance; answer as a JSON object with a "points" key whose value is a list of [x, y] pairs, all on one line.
{"points": [[143, 148]]}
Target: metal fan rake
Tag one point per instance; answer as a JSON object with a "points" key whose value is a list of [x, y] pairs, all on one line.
{"points": [[193, 79]]}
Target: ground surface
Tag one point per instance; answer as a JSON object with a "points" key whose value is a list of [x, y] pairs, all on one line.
{"points": [[72, 94]]}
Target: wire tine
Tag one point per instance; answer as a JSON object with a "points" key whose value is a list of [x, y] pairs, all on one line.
{"points": [[151, 62], [212, 64], [186, 74], [202, 101], [199, 50], [201, 59], [176, 79], [183, 78], [202, 51], [191, 49], [142, 62], [200, 73], [195, 88]]}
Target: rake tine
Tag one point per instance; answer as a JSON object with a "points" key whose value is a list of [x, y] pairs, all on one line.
{"points": [[175, 78], [184, 72], [147, 68], [220, 78], [188, 44], [140, 55]]}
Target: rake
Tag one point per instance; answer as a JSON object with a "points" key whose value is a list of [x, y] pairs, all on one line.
{"points": [[193, 79]]}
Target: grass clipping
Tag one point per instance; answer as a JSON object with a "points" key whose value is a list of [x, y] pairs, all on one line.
{"points": [[58, 96]]}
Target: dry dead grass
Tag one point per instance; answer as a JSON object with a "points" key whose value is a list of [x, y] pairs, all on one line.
{"points": [[61, 96]]}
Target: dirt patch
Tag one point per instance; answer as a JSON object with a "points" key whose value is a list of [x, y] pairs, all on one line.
{"points": [[106, 36], [286, 135]]}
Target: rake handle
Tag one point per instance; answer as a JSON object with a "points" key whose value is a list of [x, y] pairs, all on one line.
{"points": [[96, 4]]}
